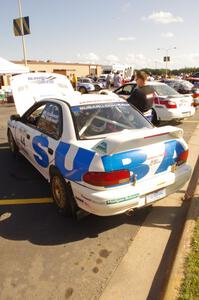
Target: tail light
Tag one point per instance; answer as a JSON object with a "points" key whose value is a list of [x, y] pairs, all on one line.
{"points": [[107, 178], [182, 158], [195, 95], [169, 104]]}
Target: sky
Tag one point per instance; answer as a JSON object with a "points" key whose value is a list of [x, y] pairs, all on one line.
{"points": [[137, 33]]}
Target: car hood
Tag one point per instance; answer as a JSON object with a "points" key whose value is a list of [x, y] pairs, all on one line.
{"points": [[31, 87]]}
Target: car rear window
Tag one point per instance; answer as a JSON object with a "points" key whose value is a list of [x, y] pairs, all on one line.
{"points": [[95, 120], [164, 90]]}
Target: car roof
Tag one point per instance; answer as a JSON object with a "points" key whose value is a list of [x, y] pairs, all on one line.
{"points": [[86, 99]]}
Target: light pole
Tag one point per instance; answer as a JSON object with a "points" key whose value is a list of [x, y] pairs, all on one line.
{"points": [[166, 58], [22, 32]]}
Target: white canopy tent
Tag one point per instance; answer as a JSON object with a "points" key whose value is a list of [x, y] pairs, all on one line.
{"points": [[7, 67]]}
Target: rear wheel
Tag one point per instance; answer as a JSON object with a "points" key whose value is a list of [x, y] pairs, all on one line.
{"points": [[62, 194], [12, 144], [97, 87]]}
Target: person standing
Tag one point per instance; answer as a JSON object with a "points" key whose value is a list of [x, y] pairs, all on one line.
{"points": [[117, 80], [143, 95], [74, 81], [108, 81]]}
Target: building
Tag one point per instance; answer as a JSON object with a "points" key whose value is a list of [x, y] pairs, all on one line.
{"points": [[67, 69]]}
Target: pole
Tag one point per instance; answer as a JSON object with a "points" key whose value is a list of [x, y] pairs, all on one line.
{"points": [[22, 32], [167, 51]]}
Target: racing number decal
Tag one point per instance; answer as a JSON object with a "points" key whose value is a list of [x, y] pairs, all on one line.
{"points": [[22, 140]]}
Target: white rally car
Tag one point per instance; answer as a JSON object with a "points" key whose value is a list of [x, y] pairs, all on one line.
{"points": [[98, 152]]}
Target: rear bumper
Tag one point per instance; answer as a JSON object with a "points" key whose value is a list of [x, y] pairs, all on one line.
{"points": [[171, 114], [119, 200]]}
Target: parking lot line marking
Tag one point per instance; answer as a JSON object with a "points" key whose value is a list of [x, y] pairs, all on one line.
{"points": [[25, 201]]}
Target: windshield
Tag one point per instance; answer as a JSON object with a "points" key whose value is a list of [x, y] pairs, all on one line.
{"points": [[95, 120], [164, 90]]}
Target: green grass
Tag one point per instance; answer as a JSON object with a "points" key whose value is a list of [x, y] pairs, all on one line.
{"points": [[190, 285]]}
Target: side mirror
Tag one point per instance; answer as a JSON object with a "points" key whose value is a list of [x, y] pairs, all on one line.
{"points": [[15, 117]]}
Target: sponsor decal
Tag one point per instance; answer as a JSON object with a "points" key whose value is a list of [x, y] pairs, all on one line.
{"points": [[123, 199], [102, 147]]}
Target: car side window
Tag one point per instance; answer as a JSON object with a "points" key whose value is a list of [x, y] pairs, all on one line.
{"points": [[32, 118], [50, 121], [127, 89]]}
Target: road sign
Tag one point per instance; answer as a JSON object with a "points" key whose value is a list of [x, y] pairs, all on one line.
{"points": [[17, 26], [166, 58]]}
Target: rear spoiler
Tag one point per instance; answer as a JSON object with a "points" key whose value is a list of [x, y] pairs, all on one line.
{"points": [[129, 139]]}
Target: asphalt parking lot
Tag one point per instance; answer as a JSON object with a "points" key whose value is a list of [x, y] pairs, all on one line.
{"points": [[43, 254]]}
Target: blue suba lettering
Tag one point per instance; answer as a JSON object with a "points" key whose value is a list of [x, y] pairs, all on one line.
{"points": [[136, 162], [81, 161], [42, 159], [168, 160]]}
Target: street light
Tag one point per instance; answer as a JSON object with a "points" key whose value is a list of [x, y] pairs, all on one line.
{"points": [[166, 58]]}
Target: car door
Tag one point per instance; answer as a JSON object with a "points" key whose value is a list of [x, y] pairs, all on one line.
{"points": [[40, 135]]}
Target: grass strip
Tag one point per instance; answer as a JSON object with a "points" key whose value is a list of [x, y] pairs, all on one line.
{"points": [[190, 286]]}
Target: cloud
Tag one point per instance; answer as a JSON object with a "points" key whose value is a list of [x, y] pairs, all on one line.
{"points": [[167, 34], [163, 17], [186, 60], [111, 58], [138, 61], [88, 58], [126, 39]]}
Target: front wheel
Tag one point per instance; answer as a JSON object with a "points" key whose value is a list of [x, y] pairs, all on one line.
{"points": [[12, 144], [62, 195]]}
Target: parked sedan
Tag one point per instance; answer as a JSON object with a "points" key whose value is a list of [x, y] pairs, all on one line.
{"points": [[184, 87], [98, 152], [168, 103], [86, 85]]}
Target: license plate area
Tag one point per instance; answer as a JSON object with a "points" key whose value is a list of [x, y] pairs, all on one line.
{"points": [[155, 195]]}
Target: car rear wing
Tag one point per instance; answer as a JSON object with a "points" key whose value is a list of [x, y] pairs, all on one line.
{"points": [[136, 138]]}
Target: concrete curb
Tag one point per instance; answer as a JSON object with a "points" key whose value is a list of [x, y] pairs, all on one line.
{"points": [[177, 272]]}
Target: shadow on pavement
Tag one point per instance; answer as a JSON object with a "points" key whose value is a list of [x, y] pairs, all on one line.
{"points": [[19, 179], [42, 224]]}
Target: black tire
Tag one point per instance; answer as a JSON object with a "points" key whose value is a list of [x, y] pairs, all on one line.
{"points": [[97, 87], [154, 120], [83, 90], [62, 194], [13, 146]]}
